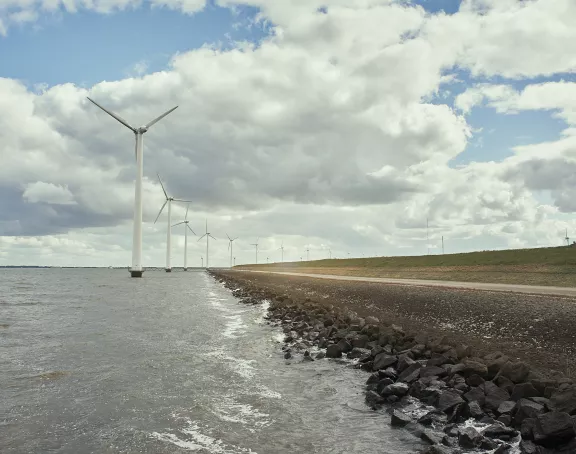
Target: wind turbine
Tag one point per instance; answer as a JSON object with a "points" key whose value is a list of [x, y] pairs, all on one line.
{"points": [[137, 269], [230, 241], [282, 249], [168, 202], [256, 244], [567, 239], [187, 227], [330, 251], [208, 236], [307, 253], [202, 258]]}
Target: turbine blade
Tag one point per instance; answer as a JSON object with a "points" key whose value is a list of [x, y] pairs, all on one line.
{"points": [[186, 217], [153, 122], [113, 115], [191, 229], [228, 237], [160, 180], [180, 200], [229, 243], [201, 237], [160, 212], [174, 225], [211, 237]]}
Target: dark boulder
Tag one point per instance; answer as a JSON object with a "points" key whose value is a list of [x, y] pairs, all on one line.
{"points": [[395, 389], [523, 390], [517, 372], [404, 361], [475, 410], [333, 351], [360, 341], [287, 355], [411, 373], [437, 360], [432, 371], [506, 407], [494, 363], [494, 395], [358, 353], [475, 394], [382, 384], [499, 431], [400, 419], [469, 437], [383, 360], [474, 380], [564, 400], [320, 355], [504, 383], [344, 346], [525, 408], [488, 444], [527, 428], [474, 367], [448, 400], [437, 449], [434, 417], [553, 429], [528, 447], [374, 400], [431, 436], [505, 419]]}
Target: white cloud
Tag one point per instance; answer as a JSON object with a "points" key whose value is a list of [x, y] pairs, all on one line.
{"points": [[41, 192]]}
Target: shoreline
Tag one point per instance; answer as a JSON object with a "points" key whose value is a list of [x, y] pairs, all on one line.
{"points": [[490, 402]]}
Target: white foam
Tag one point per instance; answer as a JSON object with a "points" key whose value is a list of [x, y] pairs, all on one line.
{"points": [[241, 366], [196, 441], [233, 326], [232, 411]]}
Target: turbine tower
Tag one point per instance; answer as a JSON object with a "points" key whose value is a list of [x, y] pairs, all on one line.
{"points": [[137, 269], [256, 244], [230, 245], [208, 236], [168, 202], [187, 227], [307, 253], [281, 248], [567, 239]]}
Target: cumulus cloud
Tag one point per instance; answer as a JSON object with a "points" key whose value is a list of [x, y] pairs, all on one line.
{"points": [[331, 132]]}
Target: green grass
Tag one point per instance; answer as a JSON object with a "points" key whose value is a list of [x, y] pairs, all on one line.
{"points": [[555, 257]]}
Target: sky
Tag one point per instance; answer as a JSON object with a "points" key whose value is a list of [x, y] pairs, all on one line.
{"points": [[341, 126]]}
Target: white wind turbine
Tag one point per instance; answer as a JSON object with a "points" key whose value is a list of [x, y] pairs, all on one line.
{"points": [[281, 248], [256, 244], [208, 236], [230, 245], [187, 227], [168, 202], [137, 269]]}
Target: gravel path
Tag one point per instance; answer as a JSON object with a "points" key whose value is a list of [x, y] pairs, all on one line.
{"points": [[539, 329]]}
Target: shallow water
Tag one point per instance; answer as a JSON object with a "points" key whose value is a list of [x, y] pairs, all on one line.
{"points": [[92, 361]]}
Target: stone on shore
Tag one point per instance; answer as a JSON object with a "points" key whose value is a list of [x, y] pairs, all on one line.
{"points": [[448, 400], [383, 360], [333, 351], [400, 419], [469, 437], [553, 429]]}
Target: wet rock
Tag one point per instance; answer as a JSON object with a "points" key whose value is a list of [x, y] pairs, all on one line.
{"points": [[400, 419], [411, 373], [287, 355], [344, 346], [382, 384], [396, 389], [434, 417], [360, 341], [475, 410], [475, 394], [494, 395], [474, 367], [488, 444], [374, 400], [528, 447], [503, 449], [358, 353], [564, 400], [553, 429], [404, 362], [383, 360], [448, 400], [431, 436], [494, 363], [505, 419], [388, 372], [516, 372], [526, 408], [320, 355], [527, 428], [469, 437], [451, 430], [499, 431], [307, 358], [437, 360], [437, 449], [333, 351], [506, 407], [504, 383], [459, 413], [523, 390], [475, 380], [431, 371]]}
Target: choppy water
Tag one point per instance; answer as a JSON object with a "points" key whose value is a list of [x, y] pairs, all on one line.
{"points": [[92, 361]]}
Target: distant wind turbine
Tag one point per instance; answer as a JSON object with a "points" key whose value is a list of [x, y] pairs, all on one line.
{"points": [[137, 269], [202, 258], [168, 202], [307, 253], [281, 248], [187, 227], [567, 239], [208, 236], [330, 251], [230, 246], [256, 244]]}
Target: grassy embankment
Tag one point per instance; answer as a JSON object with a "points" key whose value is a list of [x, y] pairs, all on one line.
{"points": [[543, 266]]}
